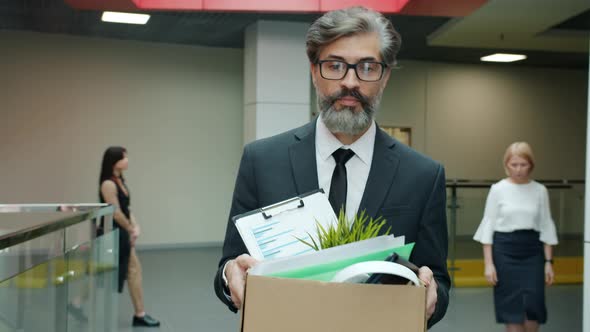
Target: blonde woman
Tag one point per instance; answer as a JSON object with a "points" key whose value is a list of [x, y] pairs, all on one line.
{"points": [[517, 234]]}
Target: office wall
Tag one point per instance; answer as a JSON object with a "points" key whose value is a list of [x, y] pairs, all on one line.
{"points": [[466, 115], [178, 109]]}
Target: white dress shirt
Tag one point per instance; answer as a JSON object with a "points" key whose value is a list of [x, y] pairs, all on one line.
{"points": [[511, 207], [357, 168]]}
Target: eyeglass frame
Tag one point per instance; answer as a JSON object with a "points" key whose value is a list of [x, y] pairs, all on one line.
{"points": [[351, 66]]}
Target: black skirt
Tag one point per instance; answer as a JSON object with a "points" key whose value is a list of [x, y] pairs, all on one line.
{"points": [[519, 294]]}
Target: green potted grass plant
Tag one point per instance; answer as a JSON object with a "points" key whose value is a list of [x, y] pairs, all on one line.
{"points": [[346, 231]]}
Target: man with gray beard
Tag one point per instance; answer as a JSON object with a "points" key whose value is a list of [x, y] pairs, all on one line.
{"points": [[351, 52]]}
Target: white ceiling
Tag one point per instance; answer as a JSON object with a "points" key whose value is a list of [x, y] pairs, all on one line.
{"points": [[516, 24]]}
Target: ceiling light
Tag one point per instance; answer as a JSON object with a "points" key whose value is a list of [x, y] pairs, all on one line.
{"points": [[118, 17], [503, 57]]}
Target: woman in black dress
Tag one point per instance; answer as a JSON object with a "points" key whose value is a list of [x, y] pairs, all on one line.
{"points": [[114, 191]]}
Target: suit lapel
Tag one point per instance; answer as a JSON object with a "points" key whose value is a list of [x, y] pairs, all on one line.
{"points": [[383, 169], [303, 162]]}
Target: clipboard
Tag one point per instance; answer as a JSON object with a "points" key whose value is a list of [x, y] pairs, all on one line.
{"points": [[273, 231]]}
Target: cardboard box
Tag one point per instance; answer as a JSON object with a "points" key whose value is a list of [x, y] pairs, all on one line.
{"points": [[291, 305]]}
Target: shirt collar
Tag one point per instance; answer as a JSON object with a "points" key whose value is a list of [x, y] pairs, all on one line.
{"points": [[327, 143]]}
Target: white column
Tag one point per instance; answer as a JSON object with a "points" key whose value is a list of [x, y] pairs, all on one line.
{"points": [[276, 78], [586, 307]]}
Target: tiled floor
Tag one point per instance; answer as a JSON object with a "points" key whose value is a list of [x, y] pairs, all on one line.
{"points": [[179, 291]]}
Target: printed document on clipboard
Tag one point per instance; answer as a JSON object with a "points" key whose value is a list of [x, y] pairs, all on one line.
{"points": [[273, 231]]}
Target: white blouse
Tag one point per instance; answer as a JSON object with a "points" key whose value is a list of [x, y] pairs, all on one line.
{"points": [[511, 207]]}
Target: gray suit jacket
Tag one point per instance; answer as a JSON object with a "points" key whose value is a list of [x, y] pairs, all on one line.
{"points": [[404, 186]]}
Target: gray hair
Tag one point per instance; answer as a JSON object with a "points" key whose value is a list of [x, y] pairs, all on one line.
{"points": [[350, 21]]}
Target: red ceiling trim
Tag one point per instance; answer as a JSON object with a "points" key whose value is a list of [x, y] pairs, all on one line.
{"points": [[302, 6], [113, 5], [185, 5], [262, 5], [295, 6], [448, 8], [386, 7]]}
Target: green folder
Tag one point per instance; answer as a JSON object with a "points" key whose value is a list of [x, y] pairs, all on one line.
{"points": [[325, 272]]}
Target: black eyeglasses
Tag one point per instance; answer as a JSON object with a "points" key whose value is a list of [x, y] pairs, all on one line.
{"points": [[368, 71]]}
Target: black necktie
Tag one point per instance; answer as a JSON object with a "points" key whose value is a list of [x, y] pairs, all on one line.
{"points": [[338, 185]]}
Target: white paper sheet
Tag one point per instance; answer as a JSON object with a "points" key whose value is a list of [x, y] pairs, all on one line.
{"points": [[278, 235], [355, 249]]}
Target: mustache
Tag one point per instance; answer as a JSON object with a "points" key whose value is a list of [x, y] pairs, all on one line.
{"points": [[345, 92]]}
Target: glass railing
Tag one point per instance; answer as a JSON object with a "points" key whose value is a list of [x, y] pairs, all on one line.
{"points": [[57, 272], [465, 207]]}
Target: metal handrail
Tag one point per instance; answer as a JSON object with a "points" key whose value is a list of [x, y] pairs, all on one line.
{"points": [[78, 213], [465, 183], [453, 205], [56, 220]]}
